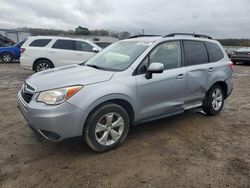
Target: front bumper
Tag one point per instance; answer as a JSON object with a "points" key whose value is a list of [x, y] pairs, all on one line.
{"points": [[55, 123]]}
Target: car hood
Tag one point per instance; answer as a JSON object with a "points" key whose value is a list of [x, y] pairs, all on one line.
{"points": [[67, 76], [6, 47]]}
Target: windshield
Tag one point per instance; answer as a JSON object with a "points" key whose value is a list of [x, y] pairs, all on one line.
{"points": [[118, 56]]}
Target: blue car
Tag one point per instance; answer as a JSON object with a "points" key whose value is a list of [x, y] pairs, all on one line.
{"points": [[10, 53]]}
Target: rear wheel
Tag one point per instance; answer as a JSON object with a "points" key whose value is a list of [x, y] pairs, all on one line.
{"points": [[106, 127], [214, 100], [6, 57], [43, 64]]}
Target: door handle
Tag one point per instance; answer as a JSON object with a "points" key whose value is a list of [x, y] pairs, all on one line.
{"points": [[181, 76], [211, 69]]}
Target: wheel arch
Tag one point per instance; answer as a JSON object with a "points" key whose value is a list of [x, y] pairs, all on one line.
{"points": [[7, 51], [41, 58], [119, 101], [223, 85]]}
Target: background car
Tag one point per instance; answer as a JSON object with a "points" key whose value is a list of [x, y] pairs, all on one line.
{"points": [[10, 53], [241, 55], [103, 44], [45, 52], [2, 44]]}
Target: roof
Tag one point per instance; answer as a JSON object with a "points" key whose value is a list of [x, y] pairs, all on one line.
{"points": [[172, 36]]}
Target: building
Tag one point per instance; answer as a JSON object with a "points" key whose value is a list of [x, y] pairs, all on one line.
{"points": [[14, 35]]}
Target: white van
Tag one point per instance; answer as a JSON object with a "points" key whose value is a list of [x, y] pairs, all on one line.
{"points": [[44, 52]]}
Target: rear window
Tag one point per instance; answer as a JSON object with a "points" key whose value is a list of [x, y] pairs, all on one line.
{"points": [[214, 51], [40, 42], [64, 44], [195, 53]]}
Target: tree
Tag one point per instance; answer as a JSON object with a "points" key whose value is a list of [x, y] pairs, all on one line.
{"points": [[82, 31], [124, 35]]}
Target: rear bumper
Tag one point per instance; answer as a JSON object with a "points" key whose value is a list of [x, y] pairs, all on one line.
{"points": [[55, 123], [26, 63], [229, 87], [240, 59]]}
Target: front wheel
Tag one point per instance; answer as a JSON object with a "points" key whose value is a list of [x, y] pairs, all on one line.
{"points": [[106, 127], [7, 57], [214, 100]]}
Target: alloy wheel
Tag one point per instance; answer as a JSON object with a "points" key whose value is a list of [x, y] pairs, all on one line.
{"points": [[109, 129], [6, 58], [42, 66], [217, 98]]}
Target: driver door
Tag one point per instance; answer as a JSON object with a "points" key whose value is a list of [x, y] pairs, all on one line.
{"points": [[164, 93]]}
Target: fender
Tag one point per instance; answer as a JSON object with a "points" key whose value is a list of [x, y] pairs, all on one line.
{"points": [[109, 97], [8, 51]]}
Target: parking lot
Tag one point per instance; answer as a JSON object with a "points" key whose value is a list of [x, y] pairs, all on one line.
{"points": [[188, 150]]}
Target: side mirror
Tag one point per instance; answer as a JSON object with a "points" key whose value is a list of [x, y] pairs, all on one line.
{"points": [[154, 68], [95, 50]]}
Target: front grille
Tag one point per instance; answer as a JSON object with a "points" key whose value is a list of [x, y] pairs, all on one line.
{"points": [[26, 96], [27, 92]]}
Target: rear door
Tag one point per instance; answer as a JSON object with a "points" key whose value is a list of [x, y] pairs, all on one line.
{"points": [[198, 70], [63, 52]]}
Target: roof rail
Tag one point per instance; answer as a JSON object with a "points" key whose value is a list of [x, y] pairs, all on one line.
{"points": [[189, 34], [138, 36]]}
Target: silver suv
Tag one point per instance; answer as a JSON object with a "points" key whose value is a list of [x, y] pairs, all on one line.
{"points": [[132, 81]]}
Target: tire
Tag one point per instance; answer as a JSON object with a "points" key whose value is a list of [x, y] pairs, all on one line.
{"points": [[99, 129], [7, 57], [234, 62], [213, 103], [42, 64]]}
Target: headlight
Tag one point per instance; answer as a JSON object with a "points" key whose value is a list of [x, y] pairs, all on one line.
{"points": [[57, 96]]}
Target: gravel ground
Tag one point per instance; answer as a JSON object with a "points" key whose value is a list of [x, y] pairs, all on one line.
{"points": [[188, 150]]}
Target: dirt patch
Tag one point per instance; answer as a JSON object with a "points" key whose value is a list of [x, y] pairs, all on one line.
{"points": [[188, 150]]}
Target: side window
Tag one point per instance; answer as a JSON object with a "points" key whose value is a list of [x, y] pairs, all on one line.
{"points": [[214, 51], [64, 44], [40, 42], [83, 46], [19, 45], [195, 53], [142, 68], [168, 53]]}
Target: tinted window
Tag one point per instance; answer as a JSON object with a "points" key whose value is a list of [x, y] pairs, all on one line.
{"points": [[40, 42], [103, 44], [214, 51], [195, 53], [142, 68], [20, 44], [83, 46], [64, 44], [168, 53]]}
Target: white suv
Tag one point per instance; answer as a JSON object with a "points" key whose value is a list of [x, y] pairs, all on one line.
{"points": [[44, 52]]}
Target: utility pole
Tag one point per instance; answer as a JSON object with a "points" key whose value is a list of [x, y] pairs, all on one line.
{"points": [[142, 31]]}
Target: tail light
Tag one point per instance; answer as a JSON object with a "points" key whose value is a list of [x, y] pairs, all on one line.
{"points": [[248, 53], [230, 65], [22, 50]]}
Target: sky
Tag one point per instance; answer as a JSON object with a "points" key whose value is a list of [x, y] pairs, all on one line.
{"points": [[218, 18]]}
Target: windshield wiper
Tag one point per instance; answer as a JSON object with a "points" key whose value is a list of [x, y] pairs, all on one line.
{"points": [[96, 67]]}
